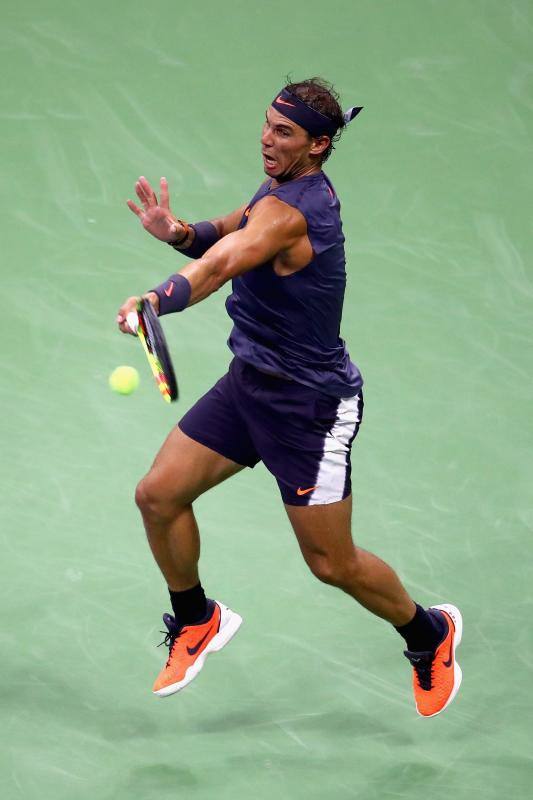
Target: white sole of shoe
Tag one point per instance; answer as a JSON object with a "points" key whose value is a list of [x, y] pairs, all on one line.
{"points": [[230, 622], [455, 614]]}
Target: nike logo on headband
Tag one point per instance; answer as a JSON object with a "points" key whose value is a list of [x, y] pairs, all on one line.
{"points": [[284, 102]]}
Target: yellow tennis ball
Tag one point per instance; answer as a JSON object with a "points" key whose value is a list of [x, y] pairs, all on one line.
{"points": [[124, 380]]}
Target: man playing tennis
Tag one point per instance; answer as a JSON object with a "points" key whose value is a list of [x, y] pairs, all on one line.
{"points": [[291, 398]]}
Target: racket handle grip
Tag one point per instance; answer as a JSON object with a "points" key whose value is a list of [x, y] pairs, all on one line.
{"points": [[133, 321]]}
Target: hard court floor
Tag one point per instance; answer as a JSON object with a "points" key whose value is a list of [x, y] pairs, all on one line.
{"points": [[311, 701]]}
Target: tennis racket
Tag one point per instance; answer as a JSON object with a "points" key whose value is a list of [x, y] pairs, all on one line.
{"points": [[150, 332]]}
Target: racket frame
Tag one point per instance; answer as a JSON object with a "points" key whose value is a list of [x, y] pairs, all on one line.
{"points": [[155, 347]]}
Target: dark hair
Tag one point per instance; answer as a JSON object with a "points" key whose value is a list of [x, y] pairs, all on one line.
{"points": [[319, 94]]}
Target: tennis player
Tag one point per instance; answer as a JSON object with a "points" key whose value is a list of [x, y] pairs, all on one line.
{"points": [[292, 398]]}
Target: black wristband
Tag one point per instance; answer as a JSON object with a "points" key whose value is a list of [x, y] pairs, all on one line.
{"points": [[174, 294], [205, 236]]}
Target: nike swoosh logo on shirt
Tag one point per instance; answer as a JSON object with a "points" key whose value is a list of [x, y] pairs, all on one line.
{"points": [[193, 650], [305, 491]]}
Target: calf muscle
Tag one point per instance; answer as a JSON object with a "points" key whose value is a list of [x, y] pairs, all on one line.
{"points": [[183, 470], [325, 539]]}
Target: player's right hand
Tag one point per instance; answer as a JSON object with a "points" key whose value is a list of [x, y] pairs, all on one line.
{"points": [[122, 315], [131, 305], [155, 215]]}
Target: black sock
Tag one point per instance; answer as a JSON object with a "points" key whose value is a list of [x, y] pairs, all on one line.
{"points": [[190, 606], [425, 631]]}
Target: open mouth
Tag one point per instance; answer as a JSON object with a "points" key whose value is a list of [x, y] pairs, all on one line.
{"points": [[269, 161]]}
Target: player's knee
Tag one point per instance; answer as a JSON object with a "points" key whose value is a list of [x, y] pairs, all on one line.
{"points": [[143, 496], [331, 571], [152, 501], [324, 569]]}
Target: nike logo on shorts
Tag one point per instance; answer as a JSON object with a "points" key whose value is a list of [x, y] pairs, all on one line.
{"points": [[305, 491]]}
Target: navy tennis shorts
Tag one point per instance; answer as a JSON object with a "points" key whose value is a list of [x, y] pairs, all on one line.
{"points": [[302, 435]]}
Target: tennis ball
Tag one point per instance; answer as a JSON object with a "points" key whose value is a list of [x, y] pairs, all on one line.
{"points": [[124, 380]]}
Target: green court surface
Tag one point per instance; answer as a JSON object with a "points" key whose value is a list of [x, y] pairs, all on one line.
{"points": [[311, 701]]}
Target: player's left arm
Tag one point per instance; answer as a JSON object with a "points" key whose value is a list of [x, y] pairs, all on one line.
{"points": [[272, 227]]}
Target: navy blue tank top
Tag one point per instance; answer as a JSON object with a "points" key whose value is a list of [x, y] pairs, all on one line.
{"points": [[290, 325]]}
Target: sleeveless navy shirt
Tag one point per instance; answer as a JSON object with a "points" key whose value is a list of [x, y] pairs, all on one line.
{"points": [[290, 325]]}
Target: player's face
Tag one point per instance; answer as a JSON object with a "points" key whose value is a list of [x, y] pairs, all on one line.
{"points": [[286, 147]]}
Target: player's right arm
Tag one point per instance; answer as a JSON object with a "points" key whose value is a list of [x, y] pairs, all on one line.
{"points": [[157, 218]]}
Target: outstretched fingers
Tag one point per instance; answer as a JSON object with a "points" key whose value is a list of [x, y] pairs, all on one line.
{"points": [[155, 216], [163, 197], [141, 194], [134, 208], [145, 193]]}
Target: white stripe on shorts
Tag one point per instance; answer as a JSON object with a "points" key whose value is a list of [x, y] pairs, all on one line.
{"points": [[331, 476]]}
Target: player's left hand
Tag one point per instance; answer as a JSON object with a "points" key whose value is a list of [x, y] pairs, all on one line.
{"points": [[155, 215]]}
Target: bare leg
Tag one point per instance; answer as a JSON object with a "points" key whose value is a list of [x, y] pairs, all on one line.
{"points": [[183, 470], [325, 539]]}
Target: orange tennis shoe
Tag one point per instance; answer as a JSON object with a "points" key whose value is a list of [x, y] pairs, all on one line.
{"points": [[189, 646], [437, 675]]}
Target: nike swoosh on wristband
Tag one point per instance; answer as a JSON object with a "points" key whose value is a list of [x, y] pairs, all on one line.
{"points": [[193, 650], [284, 102], [169, 289], [305, 491]]}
